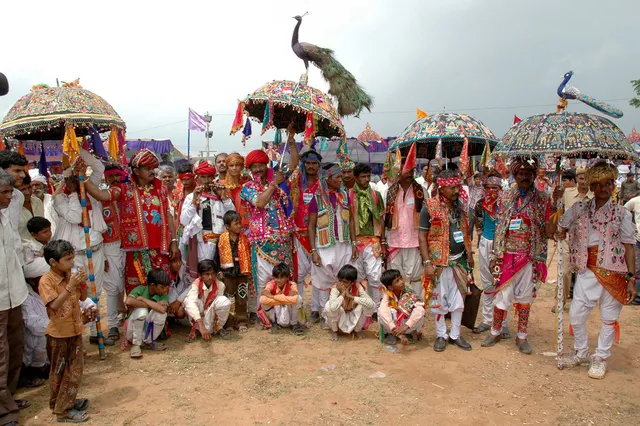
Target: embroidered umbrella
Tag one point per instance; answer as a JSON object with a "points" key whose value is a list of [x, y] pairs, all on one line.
{"points": [[566, 134], [281, 102], [43, 113], [62, 114], [449, 128]]}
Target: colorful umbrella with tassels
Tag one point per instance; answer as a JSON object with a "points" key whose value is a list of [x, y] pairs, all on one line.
{"points": [[76, 117], [280, 102]]}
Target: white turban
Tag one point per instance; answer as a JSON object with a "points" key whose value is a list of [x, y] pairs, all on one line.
{"points": [[36, 268], [39, 178]]}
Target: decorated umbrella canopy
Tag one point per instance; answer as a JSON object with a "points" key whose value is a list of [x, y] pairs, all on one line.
{"points": [[62, 113], [566, 134], [43, 113], [281, 102], [451, 129]]}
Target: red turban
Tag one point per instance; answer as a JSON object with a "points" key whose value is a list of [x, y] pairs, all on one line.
{"points": [[145, 158], [257, 156], [205, 168]]}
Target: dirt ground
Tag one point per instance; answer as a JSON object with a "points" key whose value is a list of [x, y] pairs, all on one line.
{"points": [[264, 379]]}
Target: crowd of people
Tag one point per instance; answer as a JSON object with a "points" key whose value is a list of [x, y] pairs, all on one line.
{"points": [[221, 246]]}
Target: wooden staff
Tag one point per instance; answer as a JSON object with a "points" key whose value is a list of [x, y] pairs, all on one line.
{"points": [[89, 253]]}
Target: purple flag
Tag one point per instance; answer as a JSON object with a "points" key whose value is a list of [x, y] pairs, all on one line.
{"points": [[196, 121]]}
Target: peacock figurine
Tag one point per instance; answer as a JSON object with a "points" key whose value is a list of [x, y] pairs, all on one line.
{"points": [[342, 84], [570, 92]]}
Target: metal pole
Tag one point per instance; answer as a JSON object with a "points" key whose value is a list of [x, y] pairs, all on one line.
{"points": [[208, 134]]}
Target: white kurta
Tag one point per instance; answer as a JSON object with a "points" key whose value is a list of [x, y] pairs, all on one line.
{"points": [[38, 210], [218, 312], [191, 219], [13, 288], [337, 318]]}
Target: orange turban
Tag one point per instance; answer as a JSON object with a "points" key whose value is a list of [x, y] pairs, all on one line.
{"points": [[232, 158]]}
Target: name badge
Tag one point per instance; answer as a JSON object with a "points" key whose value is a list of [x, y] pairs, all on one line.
{"points": [[307, 197], [515, 224], [457, 237], [411, 201]]}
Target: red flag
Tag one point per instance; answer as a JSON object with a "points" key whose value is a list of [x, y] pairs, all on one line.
{"points": [[238, 121], [410, 163], [309, 129], [464, 158], [516, 119]]}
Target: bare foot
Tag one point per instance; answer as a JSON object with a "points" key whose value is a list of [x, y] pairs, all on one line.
{"points": [[403, 339], [334, 336]]}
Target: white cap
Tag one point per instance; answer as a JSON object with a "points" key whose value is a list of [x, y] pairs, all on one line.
{"points": [[39, 178]]}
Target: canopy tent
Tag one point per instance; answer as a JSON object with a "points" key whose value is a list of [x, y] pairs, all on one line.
{"points": [[163, 148]]}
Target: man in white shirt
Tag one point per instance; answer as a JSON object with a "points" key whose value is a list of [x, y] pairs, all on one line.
{"points": [[31, 207], [13, 292], [66, 201], [14, 164], [382, 187], [202, 214], [422, 179]]}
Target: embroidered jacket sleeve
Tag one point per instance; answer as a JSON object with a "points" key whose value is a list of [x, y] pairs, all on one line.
{"points": [[384, 313], [250, 195], [416, 315], [364, 299], [191, 303], [335, 299]]}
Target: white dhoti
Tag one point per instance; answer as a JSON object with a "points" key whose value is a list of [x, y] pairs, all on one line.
{"points": [[114, 281], [325, 276], [346, 321], [264, 274], [216, 315], [284, 315], [97, 258], [486, 281], [304, 265], [370, 268], [586, 294], [448, 299], [520, 291], [137, 333], [409, 262]]}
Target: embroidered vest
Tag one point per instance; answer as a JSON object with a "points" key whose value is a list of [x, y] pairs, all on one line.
{"points": [[326, 232], [611, 251], [438, 236], [111, 218], [132, 225], [377, 221]]}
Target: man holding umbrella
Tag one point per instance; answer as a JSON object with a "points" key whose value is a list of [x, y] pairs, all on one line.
{"points": [[519, 255], [270, 227]]}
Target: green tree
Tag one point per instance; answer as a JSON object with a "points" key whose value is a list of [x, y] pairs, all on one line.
{"points": [[635, 102]]}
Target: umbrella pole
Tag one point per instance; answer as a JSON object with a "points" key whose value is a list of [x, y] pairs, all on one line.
{"points": [[560, 307], [92, 278]]}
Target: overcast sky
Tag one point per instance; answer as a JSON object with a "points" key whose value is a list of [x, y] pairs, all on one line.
{"points": [[152, 60]]}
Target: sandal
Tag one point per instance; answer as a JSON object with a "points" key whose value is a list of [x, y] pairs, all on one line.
{"points": [[73, 416], [242, 329], [298, 330], [81, 404], [22, 404], [135, 352], [481, 328], [157, 346]]}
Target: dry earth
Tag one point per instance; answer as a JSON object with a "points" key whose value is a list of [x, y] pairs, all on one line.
{"points": [[258, 378]]}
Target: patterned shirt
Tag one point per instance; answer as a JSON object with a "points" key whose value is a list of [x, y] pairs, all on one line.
{"points": [[271, 221], [66, 321]]}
